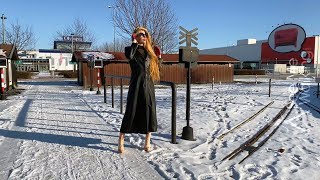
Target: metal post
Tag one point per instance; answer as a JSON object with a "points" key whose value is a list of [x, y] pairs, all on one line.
{"points": [[212, 82], [173, 114], [72, 49], [105, 90], [2, 84], [317, 74], [269, 87], [114, 27], [98, 81], [188, 96], [318, 91], [91, 78], [121, 96], [256, 79], [112, 92], [114, 35], [3, 31], [187, 132]]}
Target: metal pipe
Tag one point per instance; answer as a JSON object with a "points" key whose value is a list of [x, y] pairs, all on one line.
{"points": [[188, 94], [121, 96], [91, 78], [318, 91], [317, 74], [105, 90], [269, 87], [112, 92], [3, 31], [174, 102], [173, 114]]}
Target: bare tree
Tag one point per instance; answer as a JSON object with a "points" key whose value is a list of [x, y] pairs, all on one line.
{"points": [[77, 28], [119, 46], [155, 15], [22, 36]]}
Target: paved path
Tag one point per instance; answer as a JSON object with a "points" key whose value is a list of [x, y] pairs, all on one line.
{"points": [[56, 135]]}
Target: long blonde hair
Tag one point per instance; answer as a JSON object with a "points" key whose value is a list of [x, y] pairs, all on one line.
{"points": [[154, 67]]}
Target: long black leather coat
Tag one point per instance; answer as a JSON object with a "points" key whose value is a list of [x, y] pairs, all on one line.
{"points": [[140, 115]]}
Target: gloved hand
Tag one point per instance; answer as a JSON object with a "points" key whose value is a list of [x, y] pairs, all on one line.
{"points": [[133, 38], [157, 51]]}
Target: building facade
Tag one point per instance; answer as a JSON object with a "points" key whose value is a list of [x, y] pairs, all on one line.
{"points": [[255, 54], [45, 60]]}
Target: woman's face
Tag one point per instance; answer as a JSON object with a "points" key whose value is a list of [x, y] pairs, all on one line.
{"points": [[141, 37]]}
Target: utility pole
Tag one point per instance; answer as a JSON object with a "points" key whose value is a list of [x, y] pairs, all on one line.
{"points": [[72, 49], [114, 27], [3, 38]]}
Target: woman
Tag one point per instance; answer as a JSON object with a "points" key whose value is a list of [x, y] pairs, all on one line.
{"points": [[140, 116]]}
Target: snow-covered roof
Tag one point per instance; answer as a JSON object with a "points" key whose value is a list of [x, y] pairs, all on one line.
{"points": [[97, 55]]}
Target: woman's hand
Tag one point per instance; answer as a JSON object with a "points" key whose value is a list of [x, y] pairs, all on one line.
{"points": [[133, 38]]}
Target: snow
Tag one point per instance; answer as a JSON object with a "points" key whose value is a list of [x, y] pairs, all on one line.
{"points": [[56, 130]]}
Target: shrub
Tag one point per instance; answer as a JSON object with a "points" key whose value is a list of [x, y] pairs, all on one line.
{"points": [[249, 72], [24, 74], [68, 74]]}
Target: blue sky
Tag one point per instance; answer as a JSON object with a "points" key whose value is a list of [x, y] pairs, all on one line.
{"points": [[220, 23]]}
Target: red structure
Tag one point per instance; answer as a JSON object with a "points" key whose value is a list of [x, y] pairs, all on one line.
{"points": [[268, 55], [98, 79], [2, 84], [286, 37]]}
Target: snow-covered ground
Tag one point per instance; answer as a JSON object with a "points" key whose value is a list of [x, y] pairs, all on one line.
{"points": [[59, 131]]}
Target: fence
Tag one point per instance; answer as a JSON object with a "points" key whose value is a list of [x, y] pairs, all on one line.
{"points": [[166, 83]]}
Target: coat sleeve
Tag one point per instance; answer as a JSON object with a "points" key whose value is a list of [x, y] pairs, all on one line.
{"points": [[131, 50]]}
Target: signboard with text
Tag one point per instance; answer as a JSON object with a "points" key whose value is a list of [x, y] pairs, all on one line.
{"points": [[75, 38]]}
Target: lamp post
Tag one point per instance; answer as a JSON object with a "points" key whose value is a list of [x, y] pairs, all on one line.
{"points": [[3, 18], [72, 42], [114, 27], [72, 49]]}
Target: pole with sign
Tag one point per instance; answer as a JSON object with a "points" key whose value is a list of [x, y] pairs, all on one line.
{"points": [[189, 56], [90, 58]]}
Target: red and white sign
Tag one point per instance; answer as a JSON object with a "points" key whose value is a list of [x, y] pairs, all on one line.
{"points": [[304, 56], [287, 38]]}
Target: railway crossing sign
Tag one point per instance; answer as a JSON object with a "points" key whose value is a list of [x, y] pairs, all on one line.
{"points": [[188, 53], [188, 37], [188, 56]]}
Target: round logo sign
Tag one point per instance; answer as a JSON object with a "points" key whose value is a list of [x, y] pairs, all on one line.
{"points": [[287, 38], [307, 56]]}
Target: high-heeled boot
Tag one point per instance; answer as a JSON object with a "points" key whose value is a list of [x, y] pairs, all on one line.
{"points": [[147, 146], [121, 143]]}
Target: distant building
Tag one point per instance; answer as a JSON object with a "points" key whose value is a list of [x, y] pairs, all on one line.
{"points": [[45, 60], [247, 51], [56, 59], [255, 54], [66, 45], [77, 42]]}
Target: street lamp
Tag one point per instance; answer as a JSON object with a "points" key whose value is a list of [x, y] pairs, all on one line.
{"points": [[114, 27], [72, 42], [72, 49], [3, 18]]}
